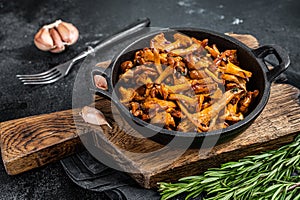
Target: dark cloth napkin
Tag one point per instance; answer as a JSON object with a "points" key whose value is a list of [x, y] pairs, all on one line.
{"points": [[88, 173]]}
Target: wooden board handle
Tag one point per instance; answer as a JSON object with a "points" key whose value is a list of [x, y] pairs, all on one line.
{"points": [[32, 142]]}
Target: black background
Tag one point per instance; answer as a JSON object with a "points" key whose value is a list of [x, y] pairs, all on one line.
{"points": [[274, 21]]}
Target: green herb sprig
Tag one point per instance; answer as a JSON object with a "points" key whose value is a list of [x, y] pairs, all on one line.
{"points": [[271, 175]]}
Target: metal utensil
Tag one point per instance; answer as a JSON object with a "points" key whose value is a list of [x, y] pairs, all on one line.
{"points": [[61, 70]]}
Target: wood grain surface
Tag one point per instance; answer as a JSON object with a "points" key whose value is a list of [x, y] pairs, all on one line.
{"points": [[34, 141]]}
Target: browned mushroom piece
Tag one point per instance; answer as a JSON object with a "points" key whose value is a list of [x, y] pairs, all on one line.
{"points": [[148, 55], [179, 88], [231, 85], [212, 51], [180, 68], [197, 74], [186, 126], [138, 97], [154, 92], [232, 114], [247, 100], [127, 76], [152, 103], [203, 81], [204, 62], [173, 45], [164, 92], [137, 113], [163, 118], [231, 56], [163, 58], [167, 72], [148, 88], [214, 46], [159, 41], [213, 125], [199, 105], [214, 76], [204, 42], [193, 118], [206, 104], [157, 60], [204, 88], [234, 118], [231, 68], [184, 39], [241, 83], [134, 106], [230, 78], [216, 94], [126, 65], [175, 113], [190, 49], [170, 122], [180, 41], [184, 99], [139, 58], [145, 117], [127, 94], [179, 79], [143, 69], [143, 79], [141, 90]]}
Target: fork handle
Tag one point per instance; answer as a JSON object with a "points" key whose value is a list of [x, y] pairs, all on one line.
{"points": [[89, 51], [129, 30]]}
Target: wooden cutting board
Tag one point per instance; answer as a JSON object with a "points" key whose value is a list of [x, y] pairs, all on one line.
{"points": [[34, 141]]}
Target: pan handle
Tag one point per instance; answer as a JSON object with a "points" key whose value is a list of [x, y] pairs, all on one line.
{"points": [[280, 54], [105, 75]]}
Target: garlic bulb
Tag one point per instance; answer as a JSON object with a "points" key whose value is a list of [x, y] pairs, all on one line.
{"points": [[54, 37]]}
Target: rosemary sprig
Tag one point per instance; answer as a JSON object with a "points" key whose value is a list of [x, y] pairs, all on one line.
{"points": [[271, 175]]}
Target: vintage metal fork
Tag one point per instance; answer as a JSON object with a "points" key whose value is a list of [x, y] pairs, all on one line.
{"points": [[61, 70], [55, 73]]}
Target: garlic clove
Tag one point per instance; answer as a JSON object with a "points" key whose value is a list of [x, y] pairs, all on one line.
{"points": [[59, 45], [100, 82], [93, 116], [68, 32], [43, 40]]}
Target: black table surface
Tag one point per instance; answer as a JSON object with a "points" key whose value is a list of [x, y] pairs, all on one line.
{"points": [[276, 22]]}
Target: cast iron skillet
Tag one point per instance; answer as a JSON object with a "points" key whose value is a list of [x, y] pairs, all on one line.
{"points": [[250, 59]]}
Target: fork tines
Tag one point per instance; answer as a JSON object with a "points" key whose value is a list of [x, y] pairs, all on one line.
{"points": [[46, 77]]}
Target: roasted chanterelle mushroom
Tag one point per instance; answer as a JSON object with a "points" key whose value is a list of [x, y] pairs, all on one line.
{"points": [[185, 85]]}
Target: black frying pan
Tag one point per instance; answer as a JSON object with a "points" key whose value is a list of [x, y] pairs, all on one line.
{"points": [[250, 59]]}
